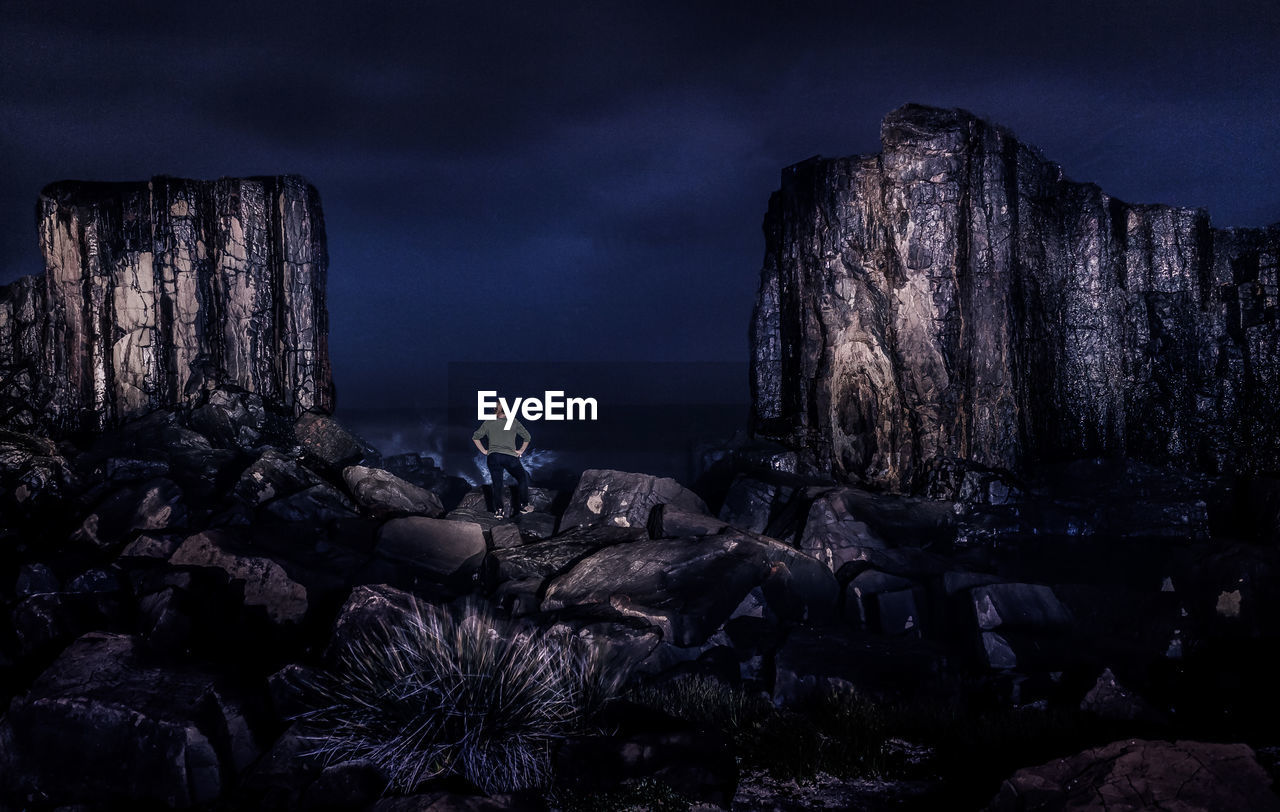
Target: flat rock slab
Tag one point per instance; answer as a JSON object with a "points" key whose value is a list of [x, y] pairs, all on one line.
{"points": [[688, 588], [544, 559], [1139, 774], [624, 499], [382, 493], [505, 536], [537, 525], [476, 507], [443, 549], [103, 724]]}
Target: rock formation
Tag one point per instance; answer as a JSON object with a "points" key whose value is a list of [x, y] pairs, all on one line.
{"points": [[957, 302], [155, 290]]}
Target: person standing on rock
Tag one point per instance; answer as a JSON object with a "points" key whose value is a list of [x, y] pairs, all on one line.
{"points": [[502, 455]]}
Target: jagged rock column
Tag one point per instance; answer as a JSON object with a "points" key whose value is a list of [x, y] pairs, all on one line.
{"points": [[956, 301], [154, 290]]}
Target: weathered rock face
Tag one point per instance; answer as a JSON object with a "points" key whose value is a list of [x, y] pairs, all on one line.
{"points": [[154, 290], [957, 299], [1139, 774]]}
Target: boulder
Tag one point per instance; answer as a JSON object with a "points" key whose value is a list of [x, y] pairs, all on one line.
{"points": [[266, 584], [142, 732], [44, 622], [320, 503], [34, 578], [32, 472], [505, 536], [624, 499], [160, 439], [154, 505], [519, 596], [749, 504], [886, 603], [1027, 607], [96, 581], [132, 469], [860, 596], [1140, 774], [329, 443], [957, 581], [276, 781], [1110, 700], [475, 507], [536, 526], [229, 416], [153, 545], [274, 474], [366, 608], [617, 647], [384, 494], [165, 618], [833, 533], [997, 652], [444, 550]]}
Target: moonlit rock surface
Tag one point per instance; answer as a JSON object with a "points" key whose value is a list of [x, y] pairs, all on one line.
{"points": [[956, 300], [154, 290]]}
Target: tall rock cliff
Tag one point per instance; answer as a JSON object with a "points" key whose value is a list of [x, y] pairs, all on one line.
{"points": [[154, 290], [957, 302]]}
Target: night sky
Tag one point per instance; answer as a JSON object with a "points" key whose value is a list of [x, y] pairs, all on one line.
{"points": [[531, 181]]}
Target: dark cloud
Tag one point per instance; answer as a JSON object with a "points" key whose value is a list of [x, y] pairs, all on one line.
{"points": [[606, 165]]}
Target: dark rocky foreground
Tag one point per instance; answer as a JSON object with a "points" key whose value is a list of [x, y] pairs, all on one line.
{"points": [[169, 591]]}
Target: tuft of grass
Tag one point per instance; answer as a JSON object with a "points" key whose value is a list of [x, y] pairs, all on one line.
{"points": [[456, 692]]}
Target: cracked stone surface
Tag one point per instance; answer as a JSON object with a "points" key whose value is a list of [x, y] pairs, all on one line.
{"points": [[155, 290], [1139, 774], [957, 301]]}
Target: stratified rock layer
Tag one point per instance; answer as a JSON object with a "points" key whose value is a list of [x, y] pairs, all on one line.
{"points": [[956, 300], [154, 290]]}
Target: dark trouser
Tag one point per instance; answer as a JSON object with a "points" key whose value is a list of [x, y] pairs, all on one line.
{"points": [[499, 462]]}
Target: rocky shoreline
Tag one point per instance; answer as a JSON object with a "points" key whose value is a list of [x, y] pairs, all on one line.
{"points": [[171, 587]]}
